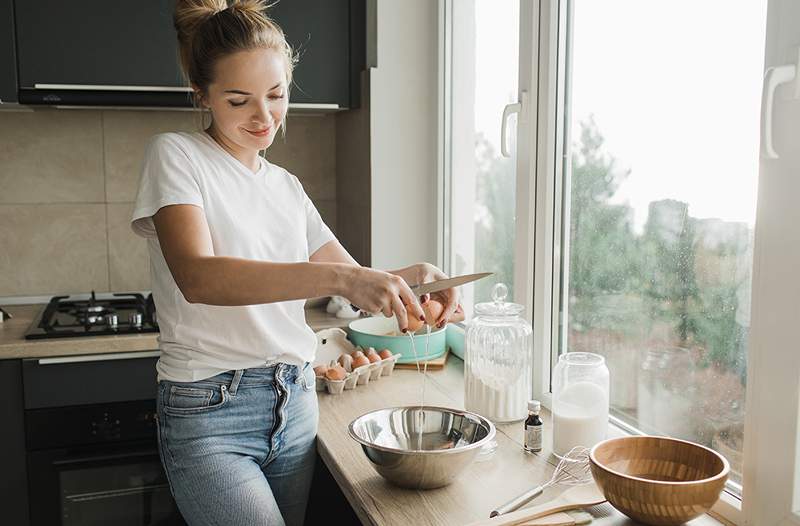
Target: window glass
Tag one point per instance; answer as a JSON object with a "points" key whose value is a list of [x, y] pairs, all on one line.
{"points": [[485, 55], [660, 179]]}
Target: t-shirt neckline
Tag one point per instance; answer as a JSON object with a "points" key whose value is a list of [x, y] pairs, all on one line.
{"points": [[262, 162]]}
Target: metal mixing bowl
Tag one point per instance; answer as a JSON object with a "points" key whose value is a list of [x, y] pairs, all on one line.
{"points": [[421, 448]]}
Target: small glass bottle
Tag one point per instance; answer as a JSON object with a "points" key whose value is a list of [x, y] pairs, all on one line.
{"points": [[533, 427]]}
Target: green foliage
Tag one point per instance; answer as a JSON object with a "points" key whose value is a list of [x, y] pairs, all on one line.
{"points": [[494, 221], [621, 282]]}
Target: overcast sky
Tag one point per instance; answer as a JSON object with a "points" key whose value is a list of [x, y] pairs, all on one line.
{"points": [[674, 87]]}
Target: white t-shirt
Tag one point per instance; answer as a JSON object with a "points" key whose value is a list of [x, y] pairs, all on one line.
{"points": [[262, 216]]}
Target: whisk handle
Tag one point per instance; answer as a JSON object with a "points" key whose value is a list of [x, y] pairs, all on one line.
{"points": [[518, 502]]}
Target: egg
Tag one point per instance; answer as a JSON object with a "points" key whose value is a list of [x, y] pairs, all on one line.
{"points": [[433, 309], [359, 361], [414, 324], [346, 361], [373, 356], [385, 354], [320, 370], [336, 373], [355, 354]]}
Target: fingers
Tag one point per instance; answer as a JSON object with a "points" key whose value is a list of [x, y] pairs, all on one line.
{"points": [[409, 301], [458, 315], [400, 312], [451, 296]]}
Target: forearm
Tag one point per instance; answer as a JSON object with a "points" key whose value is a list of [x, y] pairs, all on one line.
{"points": [[228, 281]]}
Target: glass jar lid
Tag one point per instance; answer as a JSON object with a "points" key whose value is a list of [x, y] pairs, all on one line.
{"points": [[499, 307]]}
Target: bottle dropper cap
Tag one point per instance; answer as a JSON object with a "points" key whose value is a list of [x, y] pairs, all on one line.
{"points": [[534, 406]]}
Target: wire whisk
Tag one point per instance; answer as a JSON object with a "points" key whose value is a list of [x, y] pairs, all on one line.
{"points": [[573, 469]]}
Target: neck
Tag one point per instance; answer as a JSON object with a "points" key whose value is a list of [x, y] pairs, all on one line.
{"points": [[248, 158]]}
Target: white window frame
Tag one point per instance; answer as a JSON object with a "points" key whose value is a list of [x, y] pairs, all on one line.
{"points": [[771, 484]]}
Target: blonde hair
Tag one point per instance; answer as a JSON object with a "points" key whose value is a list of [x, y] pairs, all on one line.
{"points": [[211, 29]]}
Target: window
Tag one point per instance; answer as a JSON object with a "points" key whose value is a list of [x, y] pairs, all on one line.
{"points": [[625, 216], [660, 175], [483, 82]]}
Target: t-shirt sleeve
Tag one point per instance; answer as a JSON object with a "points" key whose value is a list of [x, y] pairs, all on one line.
{"points": [[317, 232], [167, 179]]}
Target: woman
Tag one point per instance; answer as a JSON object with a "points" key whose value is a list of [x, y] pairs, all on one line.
{"points": [[235, 247]]}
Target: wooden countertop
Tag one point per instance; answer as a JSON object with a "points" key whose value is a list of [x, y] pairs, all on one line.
{"points": [[13, 344], [480, 488]]}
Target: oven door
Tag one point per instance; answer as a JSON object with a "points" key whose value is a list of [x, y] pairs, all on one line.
{"points": [[122, 485]]}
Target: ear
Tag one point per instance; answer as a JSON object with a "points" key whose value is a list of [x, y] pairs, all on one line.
{"points": [[200, 97]]}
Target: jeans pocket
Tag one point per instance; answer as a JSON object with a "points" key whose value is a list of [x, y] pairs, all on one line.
{"points": [[183, 400], [309, 380]]}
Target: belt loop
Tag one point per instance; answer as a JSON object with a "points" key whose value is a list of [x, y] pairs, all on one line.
{"points": [[237, 377]]}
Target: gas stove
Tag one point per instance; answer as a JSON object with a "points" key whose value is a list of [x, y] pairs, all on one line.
{"points": [[63, 317]]}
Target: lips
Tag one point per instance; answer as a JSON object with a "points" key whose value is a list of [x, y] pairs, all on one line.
{"points": [[258, 133]]}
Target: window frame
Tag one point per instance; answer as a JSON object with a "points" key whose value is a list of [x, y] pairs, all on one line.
{"points": [[768, 485]]}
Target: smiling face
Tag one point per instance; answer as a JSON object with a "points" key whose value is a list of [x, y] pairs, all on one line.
{"points": [[248, 100]]}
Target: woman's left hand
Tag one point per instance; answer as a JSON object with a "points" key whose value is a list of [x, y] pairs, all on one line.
{"points": [[449, 298]]}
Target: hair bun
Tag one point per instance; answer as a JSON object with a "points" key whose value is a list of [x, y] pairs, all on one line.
{"points": [[254, 7], [190, 14]]}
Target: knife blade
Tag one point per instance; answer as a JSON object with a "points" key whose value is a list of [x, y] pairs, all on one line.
{"points": [[448, 283]]}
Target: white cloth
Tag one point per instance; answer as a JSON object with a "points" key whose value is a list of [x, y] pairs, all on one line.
{"points": [[262, 216]]}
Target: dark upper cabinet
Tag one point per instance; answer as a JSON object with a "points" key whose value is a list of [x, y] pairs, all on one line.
{"points": [[8, 59], [318, 31], [67, 51]]}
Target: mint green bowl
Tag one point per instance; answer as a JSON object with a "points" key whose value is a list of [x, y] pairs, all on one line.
{"points": [[379, 332]]}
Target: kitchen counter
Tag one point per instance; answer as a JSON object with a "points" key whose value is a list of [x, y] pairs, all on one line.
{"points": [[480, 488], [13, 344]]}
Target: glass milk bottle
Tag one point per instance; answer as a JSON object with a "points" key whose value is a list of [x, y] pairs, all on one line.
{"points": [[497, 360], [580, 401]]}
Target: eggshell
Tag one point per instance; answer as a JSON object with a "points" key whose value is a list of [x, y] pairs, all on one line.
{"points": [[346, 361], [320, 370], [385, 353], [414, 324], [336, 373], [433, 309], [358, 361], [373, 357]]}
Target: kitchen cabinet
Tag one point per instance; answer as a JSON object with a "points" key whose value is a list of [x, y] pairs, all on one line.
{"points": [[8, 61], [103, 53]]}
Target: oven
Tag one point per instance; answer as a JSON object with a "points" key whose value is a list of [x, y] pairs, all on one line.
{"points": [[90, 439]]}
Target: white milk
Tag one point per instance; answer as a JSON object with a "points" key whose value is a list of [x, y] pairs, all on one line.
{"points": [[580, 417]]}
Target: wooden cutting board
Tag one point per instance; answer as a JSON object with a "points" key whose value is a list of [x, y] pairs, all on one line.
{"points": [[433, 365]]}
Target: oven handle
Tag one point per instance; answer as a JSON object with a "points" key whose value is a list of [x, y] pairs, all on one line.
{"points": [[99, 357], [102, 458]]}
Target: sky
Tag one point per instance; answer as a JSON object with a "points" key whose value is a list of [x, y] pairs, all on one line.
{"points": [[674, 86]]}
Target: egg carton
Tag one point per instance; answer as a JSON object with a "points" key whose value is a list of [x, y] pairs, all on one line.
{"points": [[358, 376]]}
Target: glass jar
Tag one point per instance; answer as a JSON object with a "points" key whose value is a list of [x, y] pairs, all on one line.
{"points": [[497, 360], [580, 401]]}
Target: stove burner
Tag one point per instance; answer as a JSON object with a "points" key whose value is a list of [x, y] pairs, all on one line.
{"points": [[128, 313]]}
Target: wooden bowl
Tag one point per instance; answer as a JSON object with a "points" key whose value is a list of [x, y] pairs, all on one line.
{"points": [[656, 480]]}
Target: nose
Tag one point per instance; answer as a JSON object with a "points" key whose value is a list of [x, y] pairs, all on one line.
{"points": [[262, 113]]}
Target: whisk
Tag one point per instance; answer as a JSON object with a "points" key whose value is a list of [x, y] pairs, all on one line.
{"points": [[572, 470]]}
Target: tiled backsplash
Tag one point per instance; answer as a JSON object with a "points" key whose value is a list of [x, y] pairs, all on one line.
{"points": [[68, 179]]}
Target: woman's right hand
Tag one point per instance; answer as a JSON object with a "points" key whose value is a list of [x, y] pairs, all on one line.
{"points": [[378, 291]]}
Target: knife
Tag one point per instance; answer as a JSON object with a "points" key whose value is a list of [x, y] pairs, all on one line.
{"points": [[448, 283]]}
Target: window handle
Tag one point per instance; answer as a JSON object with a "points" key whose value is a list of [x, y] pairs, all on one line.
{"points": [[774, 77], [507, 111]]}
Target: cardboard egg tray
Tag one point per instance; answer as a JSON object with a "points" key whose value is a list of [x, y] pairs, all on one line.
{"points": [[358, 376], [331, 343]]}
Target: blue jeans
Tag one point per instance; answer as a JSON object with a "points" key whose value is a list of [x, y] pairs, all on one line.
{"points": [[239, 447]]}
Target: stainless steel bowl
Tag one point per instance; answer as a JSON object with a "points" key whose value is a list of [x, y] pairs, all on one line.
{"points": [[421, 448]]}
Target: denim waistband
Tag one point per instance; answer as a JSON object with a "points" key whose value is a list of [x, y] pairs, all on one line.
{"points": [[256, 376]]}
